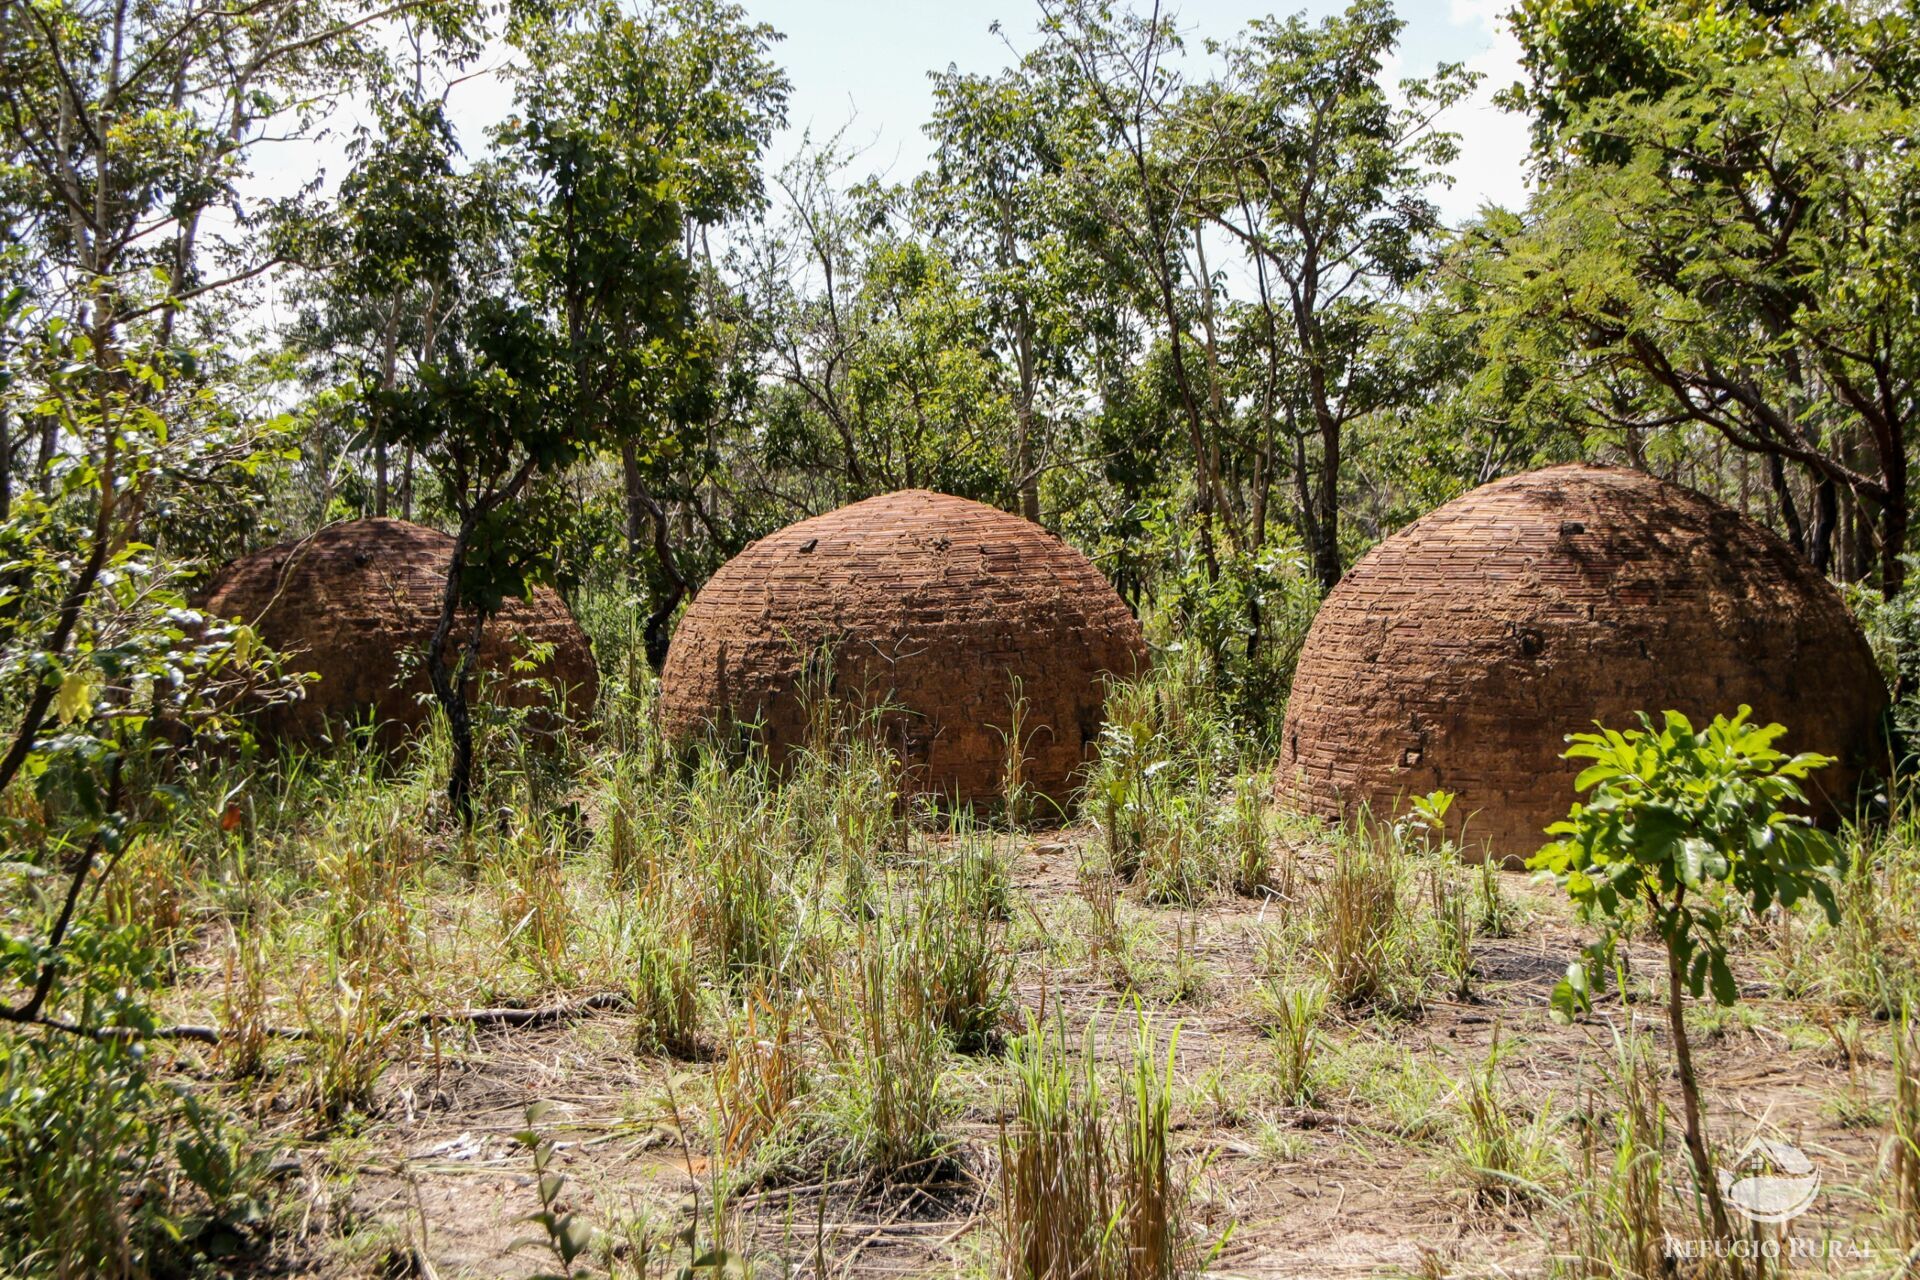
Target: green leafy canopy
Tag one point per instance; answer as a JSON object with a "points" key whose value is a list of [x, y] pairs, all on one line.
{"points": [[1682, 823]]}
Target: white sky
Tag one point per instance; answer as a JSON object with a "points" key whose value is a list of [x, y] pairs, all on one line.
{"points": [[864, 64]]}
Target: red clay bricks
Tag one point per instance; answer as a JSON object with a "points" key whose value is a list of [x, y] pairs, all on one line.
{"points": [[1459, 653], [356, 603], [931, 607]]}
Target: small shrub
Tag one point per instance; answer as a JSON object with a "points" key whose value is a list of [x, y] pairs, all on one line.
{"points": [[564, 1234], [1685, 825]]}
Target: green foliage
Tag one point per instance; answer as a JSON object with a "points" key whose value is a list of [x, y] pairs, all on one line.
{"points": [[1678, 823], [100, 1161], [1722, 244], [565, 1234]]}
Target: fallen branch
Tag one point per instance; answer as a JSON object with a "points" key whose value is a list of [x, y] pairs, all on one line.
{"points": [[608, 1001], [506, 1016]]}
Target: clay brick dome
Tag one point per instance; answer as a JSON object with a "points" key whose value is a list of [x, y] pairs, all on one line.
{"points": [[356, 603], [1459, 652], [931, 606]]}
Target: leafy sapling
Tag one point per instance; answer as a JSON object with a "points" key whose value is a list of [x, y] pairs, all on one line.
{"points": [[564, 1234], [1681, 824]]}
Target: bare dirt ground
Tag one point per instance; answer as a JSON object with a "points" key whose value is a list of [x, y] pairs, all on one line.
{"points": [[1362, 1182]]}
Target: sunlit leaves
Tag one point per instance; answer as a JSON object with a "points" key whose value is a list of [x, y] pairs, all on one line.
{"points": [[1680, 824]]}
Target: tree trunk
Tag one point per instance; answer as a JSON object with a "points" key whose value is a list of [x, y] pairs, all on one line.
{"points": [[6, 465], [636, 510], [1027, 469], [1789, 511], [1895, 517], [1826, 515], [380, 477], [1704, 1172], [450, 682], [643, 511], [1326, 551]]}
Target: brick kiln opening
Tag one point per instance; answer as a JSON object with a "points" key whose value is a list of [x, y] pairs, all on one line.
{"points": [[932, 607], [1459, 652], [356, 603]]}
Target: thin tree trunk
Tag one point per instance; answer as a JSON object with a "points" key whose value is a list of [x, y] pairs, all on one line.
{"points": [[449, 681], [643, 511], [1704, 1173], [1895, 518], [1826, 516], [1789, 511], [1027, 469]]}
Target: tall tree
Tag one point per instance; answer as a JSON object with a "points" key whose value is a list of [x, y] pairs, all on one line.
{"points": [[635, 132], [995, 199], [1120, 71], [1728, 223], [1322, 175], [122, 128]]}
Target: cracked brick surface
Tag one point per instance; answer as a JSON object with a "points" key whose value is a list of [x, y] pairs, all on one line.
{"points": [[1459, 652], [931, 606], [356, 603]]}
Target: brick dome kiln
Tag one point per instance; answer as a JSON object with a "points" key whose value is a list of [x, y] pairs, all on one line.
{"points": [[931, 606], [1459, 653], [357, 602]]}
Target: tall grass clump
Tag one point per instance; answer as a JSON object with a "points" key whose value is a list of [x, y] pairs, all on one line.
{"points": [[1901, 1162], [1292, 1015], [350, 1038], [1085, 1189], [662, 980], [1017, 796], [1180, 798], [1615, 1224], [536, 917], [1057, 1197], [1504, 1157], [759, 1083], [843, 789], [1365, 921], [731, 844], [953, 950], [888, 1053]]}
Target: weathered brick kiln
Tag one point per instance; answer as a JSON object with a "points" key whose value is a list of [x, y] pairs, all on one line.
{"points": [[1459, 653], [356, 603], [931, 607]]}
